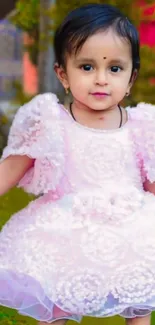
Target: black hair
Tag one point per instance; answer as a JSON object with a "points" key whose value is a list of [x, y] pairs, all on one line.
{"points": [[86, 21]]}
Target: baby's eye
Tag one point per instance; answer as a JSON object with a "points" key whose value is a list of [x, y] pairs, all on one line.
{"points": [[86, 67], [115, 68]]}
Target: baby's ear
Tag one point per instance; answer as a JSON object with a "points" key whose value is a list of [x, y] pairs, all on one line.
{"points": [[133, 77], [132, 80], [61, 74]]}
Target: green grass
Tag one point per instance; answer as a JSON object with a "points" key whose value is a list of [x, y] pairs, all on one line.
{"points": [[10, 203], [10, 317]]}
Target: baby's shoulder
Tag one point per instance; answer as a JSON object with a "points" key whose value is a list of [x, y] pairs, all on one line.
{"points": [[40, 108], [43, 104], [142, 125]]}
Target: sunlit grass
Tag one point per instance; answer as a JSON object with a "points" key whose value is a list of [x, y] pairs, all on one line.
{"points": [[10, 317]]}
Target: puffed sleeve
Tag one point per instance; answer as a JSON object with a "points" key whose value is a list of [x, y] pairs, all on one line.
{"points": [[25, 131], [143, 117], [29, 136]]}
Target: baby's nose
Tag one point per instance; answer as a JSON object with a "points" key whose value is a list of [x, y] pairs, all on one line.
{"points": [[101, 78]]}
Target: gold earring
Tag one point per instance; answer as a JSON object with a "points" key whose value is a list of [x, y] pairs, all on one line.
{"points": [[127, 94], [67, 91]]}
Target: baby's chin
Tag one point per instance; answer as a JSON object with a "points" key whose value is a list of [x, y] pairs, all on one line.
{"points": [[101, 107], [93, 104], [99, 104]]}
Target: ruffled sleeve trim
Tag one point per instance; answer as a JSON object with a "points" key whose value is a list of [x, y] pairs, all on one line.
{"points": [[143, 129], [37, 132]]}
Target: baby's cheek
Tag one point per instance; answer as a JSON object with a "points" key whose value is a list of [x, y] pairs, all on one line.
{"points": [[120, 87], [80, 86]]}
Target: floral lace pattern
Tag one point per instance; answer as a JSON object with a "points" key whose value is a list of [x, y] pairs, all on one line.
{"points": [[143, 117], [86, 246], [30, 135]]}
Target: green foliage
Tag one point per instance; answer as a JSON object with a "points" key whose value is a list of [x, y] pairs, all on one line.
{"points": [[27, 18], [20, 98], [10, 317], [12, 202], [144, 89], [4, 123], [27, 15], [129, 8], [2, 141]]}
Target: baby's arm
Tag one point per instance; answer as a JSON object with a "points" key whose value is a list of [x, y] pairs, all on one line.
{"points": [[12, 169]]}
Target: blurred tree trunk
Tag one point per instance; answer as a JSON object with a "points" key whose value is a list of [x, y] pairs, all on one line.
{"points": [[47, 79]]}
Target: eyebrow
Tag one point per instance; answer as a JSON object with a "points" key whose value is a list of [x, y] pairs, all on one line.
{"points": [[118, 61], [90, 60], [86, 60]]}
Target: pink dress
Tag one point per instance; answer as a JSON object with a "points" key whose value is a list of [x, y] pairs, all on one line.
{"points": [[86, 246]]}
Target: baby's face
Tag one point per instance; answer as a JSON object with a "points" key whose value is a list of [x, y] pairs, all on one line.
{"points": [[99, 74]]}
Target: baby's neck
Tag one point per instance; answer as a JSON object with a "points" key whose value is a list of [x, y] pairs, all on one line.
{"points": [[105, 119]]}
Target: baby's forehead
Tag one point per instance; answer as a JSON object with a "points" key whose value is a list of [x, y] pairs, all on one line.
{"points": [[105, 45], [106, 40]]}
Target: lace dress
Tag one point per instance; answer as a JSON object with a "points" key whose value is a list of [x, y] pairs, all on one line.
{"points": [[86, 245]]}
